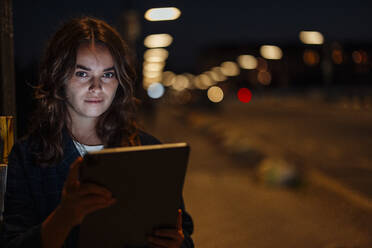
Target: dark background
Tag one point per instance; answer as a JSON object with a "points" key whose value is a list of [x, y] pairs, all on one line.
{"points": [[207, 33]]}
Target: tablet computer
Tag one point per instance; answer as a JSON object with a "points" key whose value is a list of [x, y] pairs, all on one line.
{"points": [[147, 182]]}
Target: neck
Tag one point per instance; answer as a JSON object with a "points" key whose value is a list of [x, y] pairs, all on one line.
{"points": [[84, 131]]}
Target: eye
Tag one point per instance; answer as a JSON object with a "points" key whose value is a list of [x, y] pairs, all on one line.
{"points": [[109, 75], [81, 74]]}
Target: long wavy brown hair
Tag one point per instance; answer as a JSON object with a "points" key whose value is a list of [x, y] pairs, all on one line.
{"points": [[115, 127]]}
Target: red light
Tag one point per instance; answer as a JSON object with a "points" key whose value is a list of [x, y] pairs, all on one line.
{"points": [[244, 95]]}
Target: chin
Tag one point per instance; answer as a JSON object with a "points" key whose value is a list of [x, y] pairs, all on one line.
{"points": [[94, 114]]}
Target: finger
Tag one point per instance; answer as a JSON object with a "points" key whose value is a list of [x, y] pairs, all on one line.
{"points": [[91, 188], [89, 200], [179, 221], [73, 174]]}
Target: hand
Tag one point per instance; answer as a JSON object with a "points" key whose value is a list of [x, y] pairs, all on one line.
{"points": [[79, 200], [168, 238]]}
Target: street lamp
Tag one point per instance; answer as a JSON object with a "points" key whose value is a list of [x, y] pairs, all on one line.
{"points": [[162, 14]]}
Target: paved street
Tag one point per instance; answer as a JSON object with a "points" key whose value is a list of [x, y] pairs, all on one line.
{"points": [[232, 208], [314, 136]]}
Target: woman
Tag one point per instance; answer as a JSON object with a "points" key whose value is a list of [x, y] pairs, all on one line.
{"points": [[85, 102]]}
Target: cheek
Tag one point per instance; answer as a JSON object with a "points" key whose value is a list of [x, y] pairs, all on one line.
{"points": [[69, 94], [73, 93], [112, 90]]}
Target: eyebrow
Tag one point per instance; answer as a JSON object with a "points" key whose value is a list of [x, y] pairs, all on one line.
{"points": [[88, 69]]}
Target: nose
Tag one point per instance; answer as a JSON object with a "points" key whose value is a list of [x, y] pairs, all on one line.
{"points": [[95, 84]]}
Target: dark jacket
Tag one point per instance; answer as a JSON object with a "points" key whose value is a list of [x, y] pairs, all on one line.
{"points": [[33, 192]]}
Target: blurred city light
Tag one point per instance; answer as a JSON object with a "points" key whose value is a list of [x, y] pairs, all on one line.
{"points": [[215, 94], [213, 76], [262, 64], [155, 90], [158, 40], [146, 85], [247, 62], [311, 37], [365, 57], [202, 82], [311, 57], [156, 55], [153, 66], [191, 79], [244, 95], [271, 52], [162, 14], [181, 82], [168, 78], [197, 83], [360, 57], [152, 74], [337, 56], [264, 77], [147, 81], [230, 68], [217, 70], [357, 57], [206, 80]]}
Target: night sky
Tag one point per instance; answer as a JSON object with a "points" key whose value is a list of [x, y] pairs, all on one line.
{"points": [[202, 23]]}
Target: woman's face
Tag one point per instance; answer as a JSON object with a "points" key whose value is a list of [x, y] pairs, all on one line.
{"points": [[93, 84]]}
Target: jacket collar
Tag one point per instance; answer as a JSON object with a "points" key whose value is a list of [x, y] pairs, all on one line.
{"points": [[70, 153]]}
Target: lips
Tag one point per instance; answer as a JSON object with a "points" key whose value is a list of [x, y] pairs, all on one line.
{"points": [[94, 100]]}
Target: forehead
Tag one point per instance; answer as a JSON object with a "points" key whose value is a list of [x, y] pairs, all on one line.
{"points": [[94, 55]]}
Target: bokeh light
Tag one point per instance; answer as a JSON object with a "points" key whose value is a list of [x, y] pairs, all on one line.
{"points": [[311, 57], [156, 55], [311, 37], [181, 82], [191, 79], [148, 81], [168, 78], [155, 90], [162, 14], [152, 74], [271, 52], [337, 56], [213, 75], [262, 64], [158, 40], [264, 77], [218, 71], [230, 68], [247, 62], [244, 95], [357, 57], [153, 66], [206, 80], [215, 94], [360, 57], [202, 82]]}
